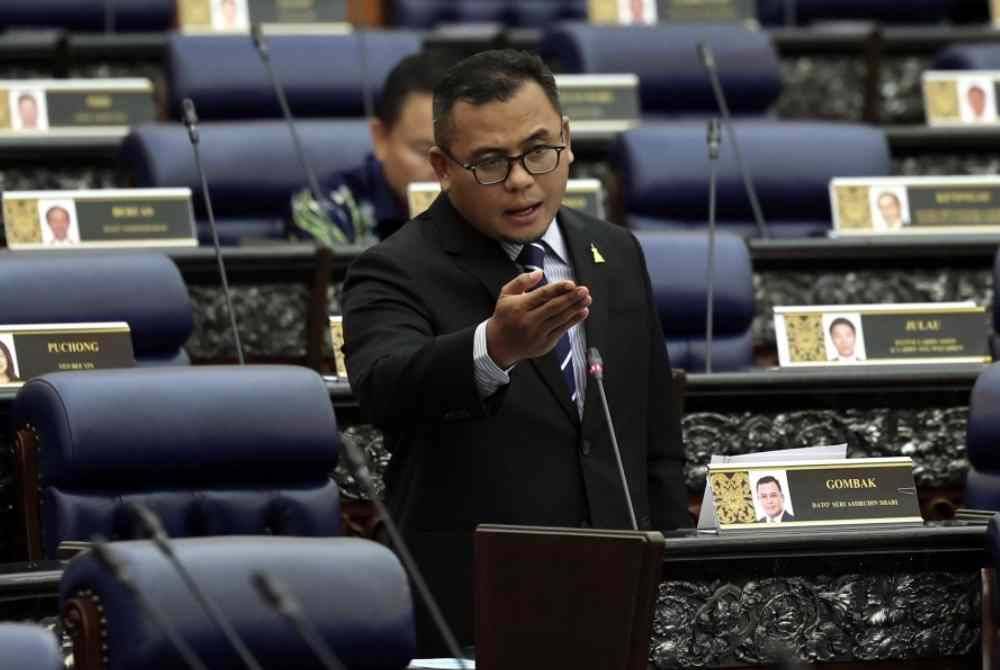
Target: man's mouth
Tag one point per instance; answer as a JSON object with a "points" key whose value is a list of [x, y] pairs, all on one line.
{"points": [[523, 212]]}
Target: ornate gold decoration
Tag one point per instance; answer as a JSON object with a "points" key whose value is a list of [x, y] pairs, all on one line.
{"points": [[942, 100], [5, 121], [853, 209], [805, 337], [194, 13], [21, 222], [733, 499]]}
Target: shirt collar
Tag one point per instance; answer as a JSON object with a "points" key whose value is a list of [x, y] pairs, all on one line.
{"points": [[553, 238]]}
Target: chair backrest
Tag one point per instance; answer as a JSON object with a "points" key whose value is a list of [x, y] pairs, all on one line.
{"points": [[29, 647], [511, 13], [354, 591], [678, 267], [672, 80], [128, 15], [773, 12], [982, 441], [145, 290], [213, 450], [321, 74], [968, 57], [251, 166], [665, 173]]}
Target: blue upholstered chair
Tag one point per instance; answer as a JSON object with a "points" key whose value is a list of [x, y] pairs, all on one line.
{"points": [[129, 15], [982, 442], [213, 450], [664, 169], [354, 591], [968, 57], [678, 268], [321, 73], [29, 647], [143, 289], [511, 13], [251, 166], [671, 78]]}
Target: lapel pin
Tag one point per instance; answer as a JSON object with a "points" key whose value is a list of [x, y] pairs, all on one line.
{"points": [[598, 258]]}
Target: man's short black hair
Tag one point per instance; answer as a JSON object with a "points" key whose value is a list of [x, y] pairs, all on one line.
{"points": [[488, 76], [417, 73], [841, 321], [768, 479]]}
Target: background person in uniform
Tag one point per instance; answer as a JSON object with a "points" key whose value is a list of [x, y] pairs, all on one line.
{"points": [[891, 210], [27, 111], [844, 336], [771, 499], [466, 336], [7, 374], [370, 201], [58, 220]]}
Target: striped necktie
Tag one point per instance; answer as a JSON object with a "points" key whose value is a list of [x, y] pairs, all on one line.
{"points": [[532, 257]]}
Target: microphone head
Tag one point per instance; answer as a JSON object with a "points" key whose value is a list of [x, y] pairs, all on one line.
{"points": [[706, 56], [357, 459], [190, 114], [257, 35], [595, 364], [714, 134]]}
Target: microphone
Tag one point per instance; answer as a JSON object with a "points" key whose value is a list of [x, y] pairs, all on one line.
{"points": [[99, 548], [595, 367], [714, 140], [277, 596], [708, 62], [191, 121], [150, 523], [366, 92], [362, 474]]}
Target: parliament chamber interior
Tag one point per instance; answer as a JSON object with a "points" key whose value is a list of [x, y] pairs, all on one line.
{"points": [[802, 198]]}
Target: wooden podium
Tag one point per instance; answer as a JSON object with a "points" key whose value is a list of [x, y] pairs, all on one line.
{"points": [[564, 597]]}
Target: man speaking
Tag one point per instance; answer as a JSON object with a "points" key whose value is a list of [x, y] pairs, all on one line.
{"points": [[466, 338]]}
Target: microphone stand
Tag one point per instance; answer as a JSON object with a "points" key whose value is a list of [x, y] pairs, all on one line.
{"points": [[191, 121], [714, 139]]}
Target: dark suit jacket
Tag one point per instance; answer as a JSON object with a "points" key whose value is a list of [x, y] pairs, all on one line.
{"points": [[785, 516], [522, 456]]}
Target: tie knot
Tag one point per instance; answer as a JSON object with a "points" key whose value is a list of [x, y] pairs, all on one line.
{"points": [[532, 256]]}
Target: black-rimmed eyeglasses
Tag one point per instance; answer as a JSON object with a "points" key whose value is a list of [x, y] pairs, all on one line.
{"points": [[541, 159]]}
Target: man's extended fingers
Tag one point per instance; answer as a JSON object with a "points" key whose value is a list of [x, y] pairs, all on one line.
{"points": [[521, 283], [579, 297], [544, 294], [566, 321]]}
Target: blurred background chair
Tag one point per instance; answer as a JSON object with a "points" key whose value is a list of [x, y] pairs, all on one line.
{"points": [[982, 442], [29, 647], [354, 591], [212, 450]]}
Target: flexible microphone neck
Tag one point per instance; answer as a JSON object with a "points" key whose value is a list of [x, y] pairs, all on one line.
{"points": [[150, 523], [366, 91], [264, 51], [150, 610], [595, 367], [191, 121], [707, 58], [278, 597], [361, 473], [714, 140]]}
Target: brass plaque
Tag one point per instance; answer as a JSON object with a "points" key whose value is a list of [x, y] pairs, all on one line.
{"points": [[941, 97], [21, 222], [853, 209]]}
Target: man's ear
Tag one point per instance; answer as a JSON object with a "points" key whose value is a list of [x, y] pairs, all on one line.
{"points": [[441, 166], [566, 140], [380, 138]]}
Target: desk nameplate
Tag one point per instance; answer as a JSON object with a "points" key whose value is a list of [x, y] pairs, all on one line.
{"points": [[235, 16], [961, 97], [908, 206], [600, 102], [27, 351], [814, 493], [648, 12], [586, 195], [154, 217], [915, 333], [40, 106]]}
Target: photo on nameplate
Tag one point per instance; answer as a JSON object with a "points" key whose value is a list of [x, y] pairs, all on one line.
{"points": [[8, 360], [844, 339], [772, 498], [28, 109], [890, 208], [977, 100], [637, 12], [230, 16], [58, 223]]}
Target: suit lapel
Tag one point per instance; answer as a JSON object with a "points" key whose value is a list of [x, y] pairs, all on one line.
{"points": [[590, 268]]}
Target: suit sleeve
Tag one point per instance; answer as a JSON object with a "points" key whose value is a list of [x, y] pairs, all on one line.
{"points": [[400, 369], [665, 456]]}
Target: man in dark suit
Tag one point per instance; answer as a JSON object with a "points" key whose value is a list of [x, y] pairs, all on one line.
{"points": [[473, 360], [772, 501]]}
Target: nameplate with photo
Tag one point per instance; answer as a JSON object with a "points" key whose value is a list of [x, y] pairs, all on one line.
{"points": [[886, 206], [795, 494], [236, 16], [27, 351], [913, 333], [649, 12], [995, 13], [585, 195], [337, 341], [600, 102], [961, 97], [61, 105], [147, 217]]}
